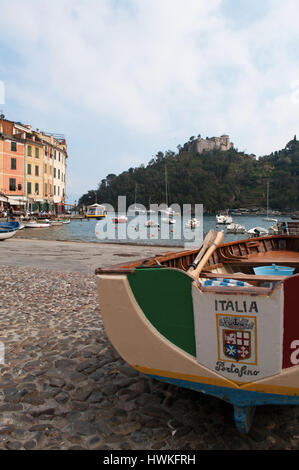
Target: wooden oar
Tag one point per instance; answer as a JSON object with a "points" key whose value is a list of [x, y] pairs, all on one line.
{"points": [[208, 241], [208, 254]]}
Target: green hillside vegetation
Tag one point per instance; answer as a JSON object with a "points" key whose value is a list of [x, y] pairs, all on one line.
{"points": [[217, 179]]}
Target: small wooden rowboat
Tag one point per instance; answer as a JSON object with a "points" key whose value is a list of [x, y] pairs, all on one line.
{"points": [[237, 340]]}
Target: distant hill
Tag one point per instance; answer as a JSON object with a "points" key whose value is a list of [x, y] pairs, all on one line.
{"points": [[217, 179]]}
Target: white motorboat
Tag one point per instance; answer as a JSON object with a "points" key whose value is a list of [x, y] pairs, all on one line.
{"points": [[235, 228], [192, 223], [151, 223], [35, 224], [224, 219], [167, 220], [258, 231]]}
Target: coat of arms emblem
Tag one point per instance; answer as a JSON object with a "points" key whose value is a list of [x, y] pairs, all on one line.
{"points": [[237, 344], [237, 338]]}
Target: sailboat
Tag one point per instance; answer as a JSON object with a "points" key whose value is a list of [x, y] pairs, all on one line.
{"points": [[135, 208], [269, 219], [168, 211]]}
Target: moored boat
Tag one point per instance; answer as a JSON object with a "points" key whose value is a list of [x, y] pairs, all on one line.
{"points": [[121, 219], [216, 327], [257, 231], [56, 222], [151, 223], [192, 223], [96, 211], [8, 229], [235, 228], [224, 219], [35, 224]]}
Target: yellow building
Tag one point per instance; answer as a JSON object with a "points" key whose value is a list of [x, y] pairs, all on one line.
{"points": [[34, 171], [54, 176]]}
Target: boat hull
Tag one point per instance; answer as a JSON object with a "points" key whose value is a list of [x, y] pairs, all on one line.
{"points": [[91, 216], [183, 334], [6, 235]]}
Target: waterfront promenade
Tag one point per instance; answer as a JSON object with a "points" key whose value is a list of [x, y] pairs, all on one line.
{"points": [[63, 386]]}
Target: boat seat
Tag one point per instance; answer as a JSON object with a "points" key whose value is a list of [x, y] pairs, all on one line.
{"points": [[244, 277]]}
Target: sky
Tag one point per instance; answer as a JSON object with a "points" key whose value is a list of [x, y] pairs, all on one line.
{"points": [[125, 79]]}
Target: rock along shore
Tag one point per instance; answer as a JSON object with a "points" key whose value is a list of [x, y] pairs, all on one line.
{"points": [[63, 386]]}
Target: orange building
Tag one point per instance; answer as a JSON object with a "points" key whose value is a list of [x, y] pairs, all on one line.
{"points": [[12, 161]]}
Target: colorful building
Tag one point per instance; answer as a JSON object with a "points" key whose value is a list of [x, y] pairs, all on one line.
{"points": [[12, 162], [32, 167]]}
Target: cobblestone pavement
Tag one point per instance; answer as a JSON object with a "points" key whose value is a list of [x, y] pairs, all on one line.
{"points": [[64, 387]]}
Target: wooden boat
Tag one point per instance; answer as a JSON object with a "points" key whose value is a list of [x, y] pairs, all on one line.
{"points": [[8, 229], [237, 340]]}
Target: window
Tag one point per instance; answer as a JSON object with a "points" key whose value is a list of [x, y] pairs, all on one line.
{"points": [[54, 190], [36, 188], [36, 152], [13, 146], [13, 163], [29, 168], [12, 184], [45, 168], [54, 154], [28, 188], [29, 151], [58, 174], [58, 156], [58, 190], [54, 172], [46, 189], [36, 170]]}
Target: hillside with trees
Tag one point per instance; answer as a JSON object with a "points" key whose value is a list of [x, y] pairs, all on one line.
{"points": [[217, 179]]}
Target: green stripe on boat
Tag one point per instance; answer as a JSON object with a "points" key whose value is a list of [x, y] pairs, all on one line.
{"points": [[164, 296]]}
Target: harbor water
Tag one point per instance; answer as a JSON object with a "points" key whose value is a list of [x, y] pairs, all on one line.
{"points": [[84, 230]]}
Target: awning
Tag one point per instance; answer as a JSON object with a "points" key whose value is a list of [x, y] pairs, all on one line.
{"points": [[3, 199], [17, 201]]}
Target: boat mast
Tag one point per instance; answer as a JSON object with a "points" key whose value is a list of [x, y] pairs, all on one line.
{"points": [[267, 198], [166, 189]]}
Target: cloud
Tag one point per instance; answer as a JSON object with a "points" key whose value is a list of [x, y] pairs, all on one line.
{"points": [[153, 72]]}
